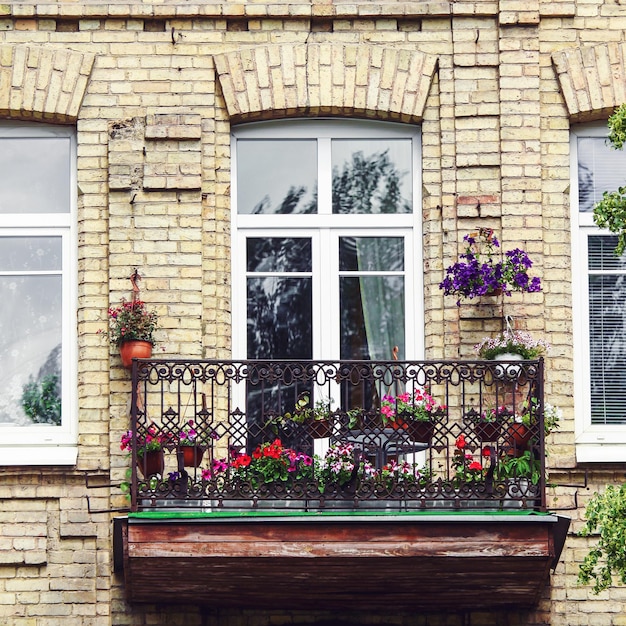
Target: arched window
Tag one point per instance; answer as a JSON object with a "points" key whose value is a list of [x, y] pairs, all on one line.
{"points": [[327, 260]]}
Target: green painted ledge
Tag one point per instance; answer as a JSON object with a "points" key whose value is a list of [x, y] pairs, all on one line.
{"points": [[173, 515]]}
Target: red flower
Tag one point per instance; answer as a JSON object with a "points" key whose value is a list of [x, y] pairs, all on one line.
{"points": [[475, 466], [242, 461], [460, 442]]}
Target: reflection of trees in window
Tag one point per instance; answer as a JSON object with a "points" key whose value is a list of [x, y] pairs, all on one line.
{"points": [[41, 397], [368, 185], [279, 318], [279, 307], [290, 203], [585, 188]]}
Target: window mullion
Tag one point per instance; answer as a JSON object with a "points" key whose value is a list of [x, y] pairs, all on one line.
{"points": [[324, 176]]}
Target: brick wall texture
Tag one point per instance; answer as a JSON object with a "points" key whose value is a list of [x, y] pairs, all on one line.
{"points": [[153, 90]]}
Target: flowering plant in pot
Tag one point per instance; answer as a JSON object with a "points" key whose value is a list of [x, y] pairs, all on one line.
{"points": [[416, 406], [404, 474], [269, 462], [132, 321], [318, 418], [511, 342], [530, 415], [190, 446], [483, 271], [415, 411], [150, 446], [488, 423], [341, 465], [466, 468]]}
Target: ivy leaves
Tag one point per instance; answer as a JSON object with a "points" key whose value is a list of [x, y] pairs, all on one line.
{"points": [[605, 514]]}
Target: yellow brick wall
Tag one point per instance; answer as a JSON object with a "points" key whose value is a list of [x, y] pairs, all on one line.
{"points": [[153, 90]]}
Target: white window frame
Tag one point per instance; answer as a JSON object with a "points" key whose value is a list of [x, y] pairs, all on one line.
{"points": [[324, 227], [42, 444], [594, 442]]}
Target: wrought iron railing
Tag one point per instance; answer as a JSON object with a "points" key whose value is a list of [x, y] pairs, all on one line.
{"points": [[254, 440]]}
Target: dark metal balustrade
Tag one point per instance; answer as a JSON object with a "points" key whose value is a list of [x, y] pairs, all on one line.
{"points": [[253, 459]]}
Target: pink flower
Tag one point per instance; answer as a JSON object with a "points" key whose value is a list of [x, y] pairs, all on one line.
{"points": [[387, 411]]}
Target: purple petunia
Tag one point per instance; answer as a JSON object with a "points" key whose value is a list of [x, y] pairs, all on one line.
{"points": [[481, 273]]}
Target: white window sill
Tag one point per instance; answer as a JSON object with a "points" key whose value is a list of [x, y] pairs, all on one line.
{"points": [[38, 455], [601, 452]]}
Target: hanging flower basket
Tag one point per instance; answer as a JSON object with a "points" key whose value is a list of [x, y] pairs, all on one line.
{"points": [[485, 271]]}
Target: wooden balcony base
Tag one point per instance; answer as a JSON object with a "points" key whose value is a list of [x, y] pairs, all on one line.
{"points": [[473, 561]]}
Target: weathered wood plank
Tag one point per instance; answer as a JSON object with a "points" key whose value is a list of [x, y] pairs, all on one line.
{"points": [[471, 565]]}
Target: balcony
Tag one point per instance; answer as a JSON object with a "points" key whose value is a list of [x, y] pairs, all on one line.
{"points": [[267, 493]]}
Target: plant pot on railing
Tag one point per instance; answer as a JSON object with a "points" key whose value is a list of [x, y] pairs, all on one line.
{"points": [[192, 455], [488, 431], [151, 463], [320, 429], [132, 349], [399, 424], [518, 437], [420, 431]]}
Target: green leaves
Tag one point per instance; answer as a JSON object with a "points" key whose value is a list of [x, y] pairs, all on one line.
{"points": [[41, 400], [606, 515], [610, 212], [617, 127]]}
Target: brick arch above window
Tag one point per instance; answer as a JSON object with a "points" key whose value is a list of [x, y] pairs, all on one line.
{"points": [[43, 84], [366, 81], [592, 79]]}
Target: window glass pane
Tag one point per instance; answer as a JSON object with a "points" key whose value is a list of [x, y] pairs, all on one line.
{"points": [[372, 317], [30, 349], [371, 307], [371, 254], [279, 318], [600, 169], [278, 254], [372, 176], [607, 347], [34, 175], [30, 253], [277, 176]]}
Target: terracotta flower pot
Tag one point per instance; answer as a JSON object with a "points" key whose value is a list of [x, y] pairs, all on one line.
{"points": [[399, 424], [134, 349], [151, 463], [517, 439], [192, 455]]}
